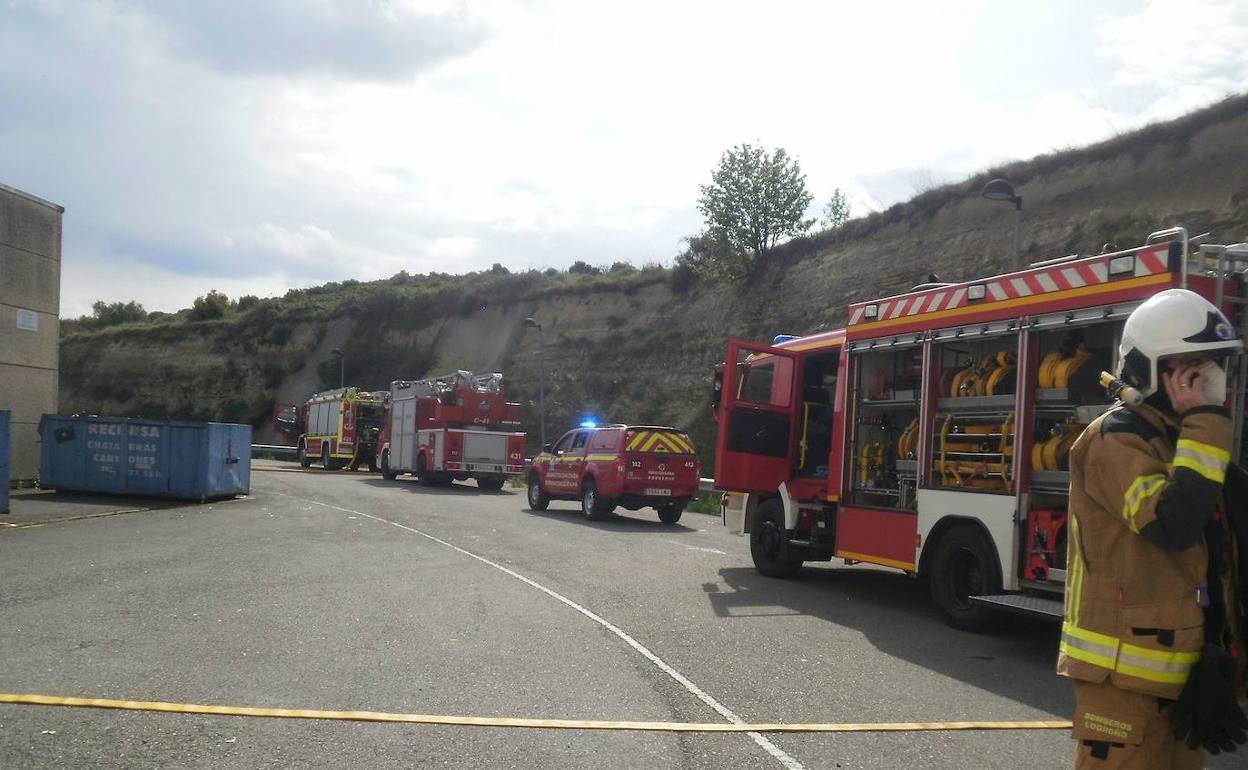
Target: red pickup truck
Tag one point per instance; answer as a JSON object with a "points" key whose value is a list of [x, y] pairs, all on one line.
{"points": [[632, 466]]}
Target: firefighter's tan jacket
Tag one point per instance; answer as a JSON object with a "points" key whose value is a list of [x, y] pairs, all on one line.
{"points": [[1141, 490]]}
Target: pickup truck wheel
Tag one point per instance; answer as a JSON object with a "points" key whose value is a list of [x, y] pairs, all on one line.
{"points": [[964, 566], [769, 543], [302, 453], [592, 505], [538, 501], [386, 473], [670, 513], [491, 483]]}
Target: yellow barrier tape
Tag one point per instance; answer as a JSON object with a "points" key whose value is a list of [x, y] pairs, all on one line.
{"points": [[546, 724]]}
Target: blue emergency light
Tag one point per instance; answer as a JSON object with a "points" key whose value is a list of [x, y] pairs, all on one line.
{"points": [[589, 423]]}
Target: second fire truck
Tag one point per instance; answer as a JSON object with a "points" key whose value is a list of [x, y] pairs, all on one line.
{"points": [[453, 427], [931, 435], [337, 428]]}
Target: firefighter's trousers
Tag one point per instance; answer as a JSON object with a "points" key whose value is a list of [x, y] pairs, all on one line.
{"points": [[1116, 728]]}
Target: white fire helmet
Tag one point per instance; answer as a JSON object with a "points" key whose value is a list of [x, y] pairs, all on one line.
{"points": [[1175, 322]]}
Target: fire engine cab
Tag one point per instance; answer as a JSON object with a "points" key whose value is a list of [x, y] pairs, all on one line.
{"points": [[931, 434], [452, 427]]}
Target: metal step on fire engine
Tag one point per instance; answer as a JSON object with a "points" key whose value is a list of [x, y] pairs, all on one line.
{"points": [[1022, 604]]}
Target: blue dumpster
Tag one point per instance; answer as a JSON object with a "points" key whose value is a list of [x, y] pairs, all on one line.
{"points": [[149, 458], [4, 460]]}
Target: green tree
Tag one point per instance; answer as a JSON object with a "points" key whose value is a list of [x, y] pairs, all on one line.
{"points": [[836, 210], [755, 199], [711, 256], [214, 304], [113, 313]]}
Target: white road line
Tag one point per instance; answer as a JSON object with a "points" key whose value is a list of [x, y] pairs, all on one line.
{"points": [[763, 742], [696, 548]]}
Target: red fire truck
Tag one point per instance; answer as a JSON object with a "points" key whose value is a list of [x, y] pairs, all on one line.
{"points": [[339, 427], [451, 428], [931, 434]]}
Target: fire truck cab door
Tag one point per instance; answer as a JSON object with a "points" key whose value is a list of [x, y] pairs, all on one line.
{"points": [[757, 418]]}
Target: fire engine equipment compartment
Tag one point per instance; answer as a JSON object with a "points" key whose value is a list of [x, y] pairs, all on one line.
{"points": [[974, 424], [886, 396], [150, 458]]}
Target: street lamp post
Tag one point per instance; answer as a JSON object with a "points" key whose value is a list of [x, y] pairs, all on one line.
{"points": [[541, 369], [1001, 190], [342, 367]]}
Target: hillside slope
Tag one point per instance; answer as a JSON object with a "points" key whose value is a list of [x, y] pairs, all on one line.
{"points": [[637, 345]]}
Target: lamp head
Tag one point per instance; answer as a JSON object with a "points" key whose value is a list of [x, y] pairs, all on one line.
{"points": [[1000, 190]]}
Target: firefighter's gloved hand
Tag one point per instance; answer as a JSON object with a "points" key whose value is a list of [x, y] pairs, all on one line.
{"points": [[1208, 713]]}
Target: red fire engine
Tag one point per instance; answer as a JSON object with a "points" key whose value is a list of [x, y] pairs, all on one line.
{"points": [[931, 434], [452, 427], [339, 427]]}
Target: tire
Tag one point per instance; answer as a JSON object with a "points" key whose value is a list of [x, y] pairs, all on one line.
{"points": [[964, 565], [670, 513], [423, 476], [491, 483], [538, 500], [594, 507], [769, 543], [386, 473], [327, 463], [302, 453]]}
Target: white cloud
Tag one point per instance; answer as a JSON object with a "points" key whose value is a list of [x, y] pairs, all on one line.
{"points": [[537, 133]]}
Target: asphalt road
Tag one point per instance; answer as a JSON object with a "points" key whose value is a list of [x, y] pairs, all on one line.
{"points": [[306, 595]]}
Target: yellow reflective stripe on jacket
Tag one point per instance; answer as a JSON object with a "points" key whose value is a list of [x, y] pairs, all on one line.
{"points": [[1140, 662], [1074, 594], [1156, 665], [1088, 646], [1207, 460], [1140, 490]]}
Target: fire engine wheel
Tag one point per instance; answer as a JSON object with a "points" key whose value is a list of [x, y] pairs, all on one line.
{"points": [[302, 452], [386, 473], [492, 483], [964, 566], [670, 513], [422, 473], [538, 501], [326, 463], [769, 543], [593, 506]]}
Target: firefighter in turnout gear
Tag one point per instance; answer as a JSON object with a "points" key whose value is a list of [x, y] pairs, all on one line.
{"points": [[1158, 552]]}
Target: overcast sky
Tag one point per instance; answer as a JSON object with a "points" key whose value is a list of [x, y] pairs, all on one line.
{"points": [[255, 146]]}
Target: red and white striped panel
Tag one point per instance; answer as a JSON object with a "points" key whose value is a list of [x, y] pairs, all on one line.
{"points": [[1072, 275]]}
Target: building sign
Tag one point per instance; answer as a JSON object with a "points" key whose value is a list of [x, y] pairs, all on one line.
{"points": [[27, 320]]}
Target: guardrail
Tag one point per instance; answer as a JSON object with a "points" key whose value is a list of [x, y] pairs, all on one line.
{"points": [[276, 449]]}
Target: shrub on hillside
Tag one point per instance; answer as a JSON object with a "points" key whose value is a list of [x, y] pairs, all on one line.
{"points": [[682, 278], [214, 304]]}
